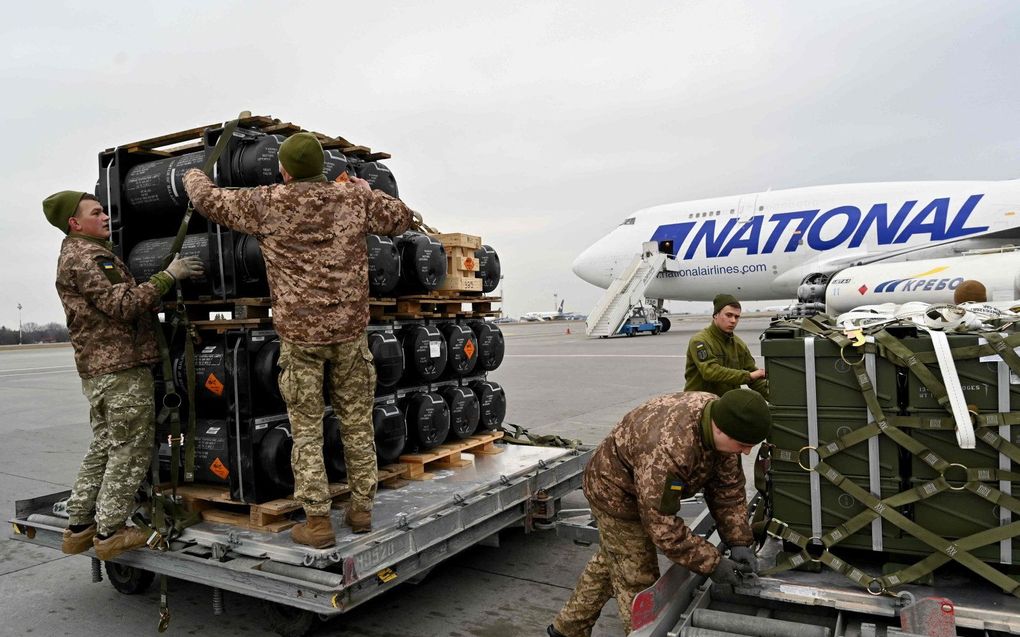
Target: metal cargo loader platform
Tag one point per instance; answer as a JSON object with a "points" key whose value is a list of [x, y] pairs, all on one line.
{"points": [[415, 527]]}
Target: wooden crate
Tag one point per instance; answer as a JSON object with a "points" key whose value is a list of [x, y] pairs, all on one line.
{"points": [[458, 240], [449, 456]]}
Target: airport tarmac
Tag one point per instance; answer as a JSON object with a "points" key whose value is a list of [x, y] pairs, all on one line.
{"points": [[556, 383]]}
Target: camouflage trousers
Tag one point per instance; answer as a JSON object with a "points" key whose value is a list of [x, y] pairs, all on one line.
{"points": [[624, 565], [351, 391], [122, 416]]}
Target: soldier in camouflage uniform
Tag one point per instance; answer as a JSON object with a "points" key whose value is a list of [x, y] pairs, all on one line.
{"points": [[718, 361], [111, 323], [312, 235], [667, 449]]}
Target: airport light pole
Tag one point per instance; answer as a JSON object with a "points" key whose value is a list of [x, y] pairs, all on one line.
{"points": [[19, 323]]}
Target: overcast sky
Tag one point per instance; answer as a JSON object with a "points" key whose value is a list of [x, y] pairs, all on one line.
{"points": [[537, 125]]}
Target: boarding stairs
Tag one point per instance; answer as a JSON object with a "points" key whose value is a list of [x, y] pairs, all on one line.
{"points": [[625, 292]]}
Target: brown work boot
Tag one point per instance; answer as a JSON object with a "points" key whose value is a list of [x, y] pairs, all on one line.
{"points": [[316, 532], [359, 521], [75, 543], [125, 539]]}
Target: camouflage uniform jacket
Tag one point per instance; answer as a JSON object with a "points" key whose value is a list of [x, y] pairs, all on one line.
{"points": [[655, 456], [312, 236], [109, 316], [718, 362]]}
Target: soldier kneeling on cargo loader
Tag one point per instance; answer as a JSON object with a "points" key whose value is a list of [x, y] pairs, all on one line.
{"points": [[112, 326], [667, 449], [718, 360], [312, 234]]}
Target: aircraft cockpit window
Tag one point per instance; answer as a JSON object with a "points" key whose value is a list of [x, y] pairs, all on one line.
{"points": [[629, 221]]}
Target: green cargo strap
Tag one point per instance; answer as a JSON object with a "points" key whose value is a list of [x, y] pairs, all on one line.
{"points": [[190, 336], [997, 344], [207, 168], [972, 479], [901, 353], [931, 539], [935, 560], [517, 435]]}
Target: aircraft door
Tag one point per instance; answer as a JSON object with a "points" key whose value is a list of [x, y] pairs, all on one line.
{"points": [[747, 207]]}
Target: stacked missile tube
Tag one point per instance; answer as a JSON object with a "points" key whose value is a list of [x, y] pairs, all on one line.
{"points": [[432, 373]]}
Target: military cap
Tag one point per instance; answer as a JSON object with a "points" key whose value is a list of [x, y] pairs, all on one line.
{"points": [[742, 414], [60, 207], [301, 155], [722, 300], [970, 291]]}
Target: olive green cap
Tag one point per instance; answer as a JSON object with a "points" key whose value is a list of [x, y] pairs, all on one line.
{"points": [[60, 207], [722, 300], [742, 414], [301, 155]]}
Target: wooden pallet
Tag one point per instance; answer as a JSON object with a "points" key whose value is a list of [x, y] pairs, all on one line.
{"points": [[433, 306], [190, 140], [449, 456], [240, 308], [216, 505]]}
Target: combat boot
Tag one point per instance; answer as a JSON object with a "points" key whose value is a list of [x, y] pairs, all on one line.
{"points": [[316, 532], [75, 543], [125, 539], [552, 632], [359, 521]]}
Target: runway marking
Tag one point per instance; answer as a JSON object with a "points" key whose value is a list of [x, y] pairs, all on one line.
{"points": [[594, 356], [19, 374], [35, 369]]}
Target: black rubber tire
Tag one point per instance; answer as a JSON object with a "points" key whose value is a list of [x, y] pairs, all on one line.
{"points": [[128, 579], [288, 621], [665, 323], [655, 331]]}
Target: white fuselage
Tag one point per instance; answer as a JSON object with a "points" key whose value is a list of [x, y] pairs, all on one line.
{"points": [[762, 245]]}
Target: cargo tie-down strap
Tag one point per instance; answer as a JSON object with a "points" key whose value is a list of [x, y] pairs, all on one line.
{"points": [[990, 428], [169, 517], [517, 435]]}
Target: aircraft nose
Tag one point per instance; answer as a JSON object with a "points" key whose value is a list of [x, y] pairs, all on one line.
{"points": [[585, 266]]}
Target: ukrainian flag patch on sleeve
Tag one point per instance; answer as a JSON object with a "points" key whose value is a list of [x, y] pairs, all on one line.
{"points": [[672, 493]]}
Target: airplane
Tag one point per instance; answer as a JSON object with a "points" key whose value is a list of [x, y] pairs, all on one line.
{"points": [[558, 315], [837, 246]]}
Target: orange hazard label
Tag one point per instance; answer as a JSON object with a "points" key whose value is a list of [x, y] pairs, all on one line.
{"points": [[469, 263], [214, 385], [220, 469], [469, 348]]}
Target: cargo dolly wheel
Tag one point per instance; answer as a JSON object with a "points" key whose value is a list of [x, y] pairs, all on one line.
{"points": [[128, 579], [288, 621]]}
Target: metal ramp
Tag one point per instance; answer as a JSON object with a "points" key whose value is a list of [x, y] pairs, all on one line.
{"points": [[625, 291]]}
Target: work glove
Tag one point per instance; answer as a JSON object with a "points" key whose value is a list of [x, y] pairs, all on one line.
{"points": [[185, 267], [729, 572], [744, 555]]}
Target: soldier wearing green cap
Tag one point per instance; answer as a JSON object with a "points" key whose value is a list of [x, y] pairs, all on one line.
{"points": [[668, 449], [112, 326], [312, 235], [718, 360]]}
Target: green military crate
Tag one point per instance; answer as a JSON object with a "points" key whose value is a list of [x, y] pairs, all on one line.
{"points": [[790, 431], [943, 443], [958, 514], [792, 505], [834, 380], [979, 380]]}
